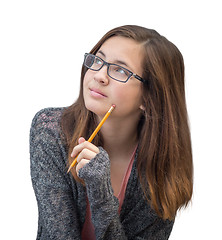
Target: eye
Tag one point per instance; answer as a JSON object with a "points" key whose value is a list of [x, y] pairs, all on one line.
{"points": [[98, 61], [121, 71]]}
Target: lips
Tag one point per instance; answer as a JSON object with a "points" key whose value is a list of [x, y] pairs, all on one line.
{"points": [[96, 92]]}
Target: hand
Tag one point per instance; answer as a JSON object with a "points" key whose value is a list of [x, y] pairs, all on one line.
{"points": [[86, 151]]}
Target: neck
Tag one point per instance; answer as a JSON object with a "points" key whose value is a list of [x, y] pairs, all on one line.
{"points": [[120, 137]]}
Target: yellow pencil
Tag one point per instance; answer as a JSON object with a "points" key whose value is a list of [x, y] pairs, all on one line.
{"points": [[94, 133]]}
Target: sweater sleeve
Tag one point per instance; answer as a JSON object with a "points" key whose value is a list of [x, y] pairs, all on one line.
{"points": [[103, 204], [56, 204], [139, 221]]}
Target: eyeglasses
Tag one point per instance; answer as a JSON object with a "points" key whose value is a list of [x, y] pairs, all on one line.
{"points": [[114, 71]]}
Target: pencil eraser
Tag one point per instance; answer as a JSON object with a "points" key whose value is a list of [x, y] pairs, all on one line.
{"points": [[114, 105]]}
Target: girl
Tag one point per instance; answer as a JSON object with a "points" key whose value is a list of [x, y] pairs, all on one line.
{"points": [[130, 182]]}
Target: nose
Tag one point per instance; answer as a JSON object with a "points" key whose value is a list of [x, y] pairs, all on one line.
{"points": [[101, 76]]}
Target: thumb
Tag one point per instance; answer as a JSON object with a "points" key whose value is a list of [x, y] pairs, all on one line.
{"points": [[81, 140]]}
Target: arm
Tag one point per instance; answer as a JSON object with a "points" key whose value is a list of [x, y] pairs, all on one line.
{"points": [[56, 205]]}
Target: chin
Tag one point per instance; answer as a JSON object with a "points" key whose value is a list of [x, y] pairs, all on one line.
{"points": [[97, 108]]}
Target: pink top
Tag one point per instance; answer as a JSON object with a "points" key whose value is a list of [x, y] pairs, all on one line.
{"points": [[88, 232]]}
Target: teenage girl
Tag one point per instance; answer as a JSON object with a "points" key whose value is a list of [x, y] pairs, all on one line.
{"points": [[131, 180]]}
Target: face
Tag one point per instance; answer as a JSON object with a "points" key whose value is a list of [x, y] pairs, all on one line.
{"points": [[100, 91]]}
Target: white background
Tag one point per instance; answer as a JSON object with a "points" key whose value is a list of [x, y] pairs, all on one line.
{"points": [[41, 51]]}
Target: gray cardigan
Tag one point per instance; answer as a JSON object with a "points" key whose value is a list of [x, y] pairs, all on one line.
{"points": [[62, 201]]}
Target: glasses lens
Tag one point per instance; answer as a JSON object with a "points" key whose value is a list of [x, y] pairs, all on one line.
{"points": [[89, 60], [93, 62], [119, 73]]}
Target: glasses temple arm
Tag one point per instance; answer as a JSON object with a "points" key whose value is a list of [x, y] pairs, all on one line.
{"points": [[139, 78]]}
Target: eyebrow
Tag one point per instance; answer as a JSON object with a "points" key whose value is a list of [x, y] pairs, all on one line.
{"points": [[115, 62]]}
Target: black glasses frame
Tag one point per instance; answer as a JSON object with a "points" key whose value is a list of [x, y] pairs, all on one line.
{"points": [[131, 74]]}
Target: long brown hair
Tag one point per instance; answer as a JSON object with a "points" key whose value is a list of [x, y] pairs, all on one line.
{"points": [[164, 160]]}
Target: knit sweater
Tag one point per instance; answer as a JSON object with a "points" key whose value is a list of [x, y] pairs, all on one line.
{"points": [[62, 201]]}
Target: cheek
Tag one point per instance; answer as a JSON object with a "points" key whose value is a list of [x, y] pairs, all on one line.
{"points": [[86, 78], [128, 97]]}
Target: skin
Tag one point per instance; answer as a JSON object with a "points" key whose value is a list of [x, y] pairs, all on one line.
{"points": [[100, 92]]}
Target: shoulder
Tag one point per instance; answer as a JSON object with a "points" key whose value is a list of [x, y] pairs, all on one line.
{"points": [[47, 115], [47, 119], [46, 127]]}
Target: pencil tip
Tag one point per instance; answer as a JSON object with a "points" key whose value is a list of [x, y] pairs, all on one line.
{"points": [[69, 169]]}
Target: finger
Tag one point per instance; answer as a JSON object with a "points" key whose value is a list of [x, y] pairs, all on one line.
{"points": [[86, 154], [75, 150], [80, 165], [90, 146], [78, 148], [81, 140]]}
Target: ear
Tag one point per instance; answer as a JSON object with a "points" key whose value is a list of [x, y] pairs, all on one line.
{"points": [[142, 107]]}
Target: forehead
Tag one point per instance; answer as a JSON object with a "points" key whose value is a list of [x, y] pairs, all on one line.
{"points": [[124, 49]]}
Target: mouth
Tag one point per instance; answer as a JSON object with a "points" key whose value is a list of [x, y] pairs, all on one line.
{"points": [[97, 93]]}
